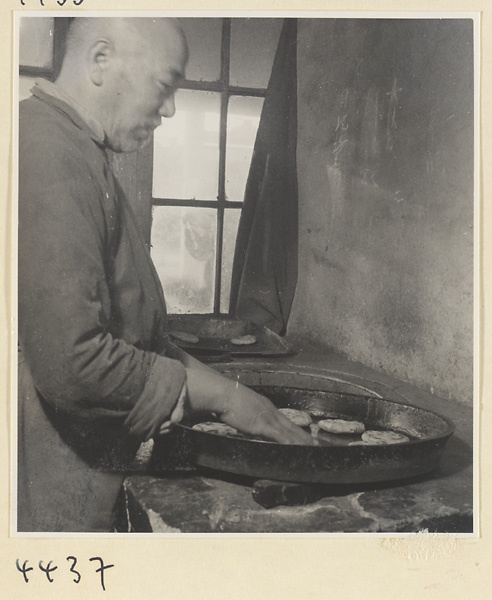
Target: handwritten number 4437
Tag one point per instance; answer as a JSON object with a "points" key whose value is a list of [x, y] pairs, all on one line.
{"points": [[60, 2], [49, 569]]}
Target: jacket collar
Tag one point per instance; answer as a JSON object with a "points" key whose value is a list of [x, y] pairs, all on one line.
{"points": [[50, 93]]}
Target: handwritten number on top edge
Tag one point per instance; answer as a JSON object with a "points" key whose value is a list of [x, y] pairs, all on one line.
{"points": [[59, 2]]}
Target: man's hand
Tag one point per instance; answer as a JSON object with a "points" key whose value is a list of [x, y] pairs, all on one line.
{"points": [[241, 407], [234, 404], [178, 413]]}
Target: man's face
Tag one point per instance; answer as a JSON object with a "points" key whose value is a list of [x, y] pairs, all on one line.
{"points": [[141, 93]]}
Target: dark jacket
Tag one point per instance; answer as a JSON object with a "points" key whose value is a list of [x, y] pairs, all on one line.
{"points": [[92, 324]]}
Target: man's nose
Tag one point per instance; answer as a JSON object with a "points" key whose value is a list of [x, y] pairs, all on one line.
{"points": [[168, 107]]}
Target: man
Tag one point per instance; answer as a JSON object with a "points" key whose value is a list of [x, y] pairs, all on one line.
{"points": [[97, 372]]}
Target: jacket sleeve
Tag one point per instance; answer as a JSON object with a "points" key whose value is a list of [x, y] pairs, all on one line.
{"points": [[64, 299]]}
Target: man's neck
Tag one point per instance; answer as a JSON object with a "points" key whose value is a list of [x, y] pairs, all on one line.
{"points": [[59, 91]]}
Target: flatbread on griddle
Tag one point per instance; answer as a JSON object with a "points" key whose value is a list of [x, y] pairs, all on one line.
{"points": [[298, 417], [381, 438], [318, 413], [244, 340], [184, 336], [217, 428], [341, 426], [334, 439]]}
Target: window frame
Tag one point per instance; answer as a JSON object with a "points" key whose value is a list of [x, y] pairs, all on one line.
{"points": [[226, 91], [60, 29]]}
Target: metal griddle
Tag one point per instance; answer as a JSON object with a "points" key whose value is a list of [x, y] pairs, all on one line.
{"points": [[429, 434], [214, 338]]}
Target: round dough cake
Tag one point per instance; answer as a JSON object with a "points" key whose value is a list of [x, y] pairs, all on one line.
{"points": [[183, 336], [379, 438], [341, 426], [318, 413], [217, 428], [244, 340], [298, 417]]}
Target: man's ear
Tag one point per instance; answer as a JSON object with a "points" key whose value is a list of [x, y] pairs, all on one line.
{"points": [[99, 58]]}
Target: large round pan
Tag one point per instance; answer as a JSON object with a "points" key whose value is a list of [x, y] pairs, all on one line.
{"points": [[429, 433]]}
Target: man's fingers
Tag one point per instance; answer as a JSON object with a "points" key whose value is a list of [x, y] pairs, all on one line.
{"points": [[281, 429], [145, 427], [139, 426]]}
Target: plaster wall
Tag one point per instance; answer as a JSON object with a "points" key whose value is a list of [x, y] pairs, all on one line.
{"points": [[385, 166]]}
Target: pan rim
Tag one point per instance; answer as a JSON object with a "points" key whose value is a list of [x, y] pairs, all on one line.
{"points": [[450, 428]]}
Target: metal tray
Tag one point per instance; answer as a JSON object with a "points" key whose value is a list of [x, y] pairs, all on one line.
{"points": [[324, 464], [215, 333]]}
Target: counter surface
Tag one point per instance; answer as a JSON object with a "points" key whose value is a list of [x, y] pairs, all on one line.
{"points": [[205, 502]]}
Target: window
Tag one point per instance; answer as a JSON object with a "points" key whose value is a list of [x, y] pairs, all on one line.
{"points": [[201, 159], [41, 47]]}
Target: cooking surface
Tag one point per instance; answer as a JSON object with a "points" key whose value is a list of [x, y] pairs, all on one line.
{"points": [[328, 464], [215, 334], [205, 501]]}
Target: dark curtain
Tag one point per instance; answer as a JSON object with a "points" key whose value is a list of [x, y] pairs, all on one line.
{"points": [[264, 273]]}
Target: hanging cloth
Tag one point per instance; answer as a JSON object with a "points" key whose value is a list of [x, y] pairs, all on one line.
{"points": [[264, 273]]}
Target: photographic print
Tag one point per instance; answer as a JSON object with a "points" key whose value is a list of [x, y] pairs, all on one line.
{"points": [[245, 286]]}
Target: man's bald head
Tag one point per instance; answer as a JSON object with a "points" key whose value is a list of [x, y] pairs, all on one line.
{"points": [[125, 71], [132, 36]]}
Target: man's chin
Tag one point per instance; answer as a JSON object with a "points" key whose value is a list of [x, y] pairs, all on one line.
{"points": [[128, 145]]}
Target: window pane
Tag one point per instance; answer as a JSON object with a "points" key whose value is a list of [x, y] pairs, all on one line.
{"points": [[186, 148], [253, 46], [231, 222], [25, 86], [36, 41], [242, 124], [204, 38], [183, 251]]}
